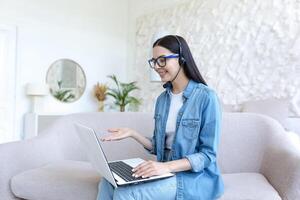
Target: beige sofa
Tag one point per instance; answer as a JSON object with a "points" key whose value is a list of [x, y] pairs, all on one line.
{"points": [[257, 159]]}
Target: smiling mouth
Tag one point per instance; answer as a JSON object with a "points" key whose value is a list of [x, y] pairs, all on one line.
{"points": [[162, 73]]}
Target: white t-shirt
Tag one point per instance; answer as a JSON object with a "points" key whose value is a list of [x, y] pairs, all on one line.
{"points": [[176, 103]]}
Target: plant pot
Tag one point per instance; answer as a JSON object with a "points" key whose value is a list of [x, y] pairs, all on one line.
{"points": [[122, 108]]}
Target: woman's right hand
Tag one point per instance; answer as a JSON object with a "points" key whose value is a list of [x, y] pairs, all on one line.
{"points": [[118, 134]]}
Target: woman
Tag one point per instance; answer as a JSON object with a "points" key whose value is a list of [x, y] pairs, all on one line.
{"points": [[186, 134]]}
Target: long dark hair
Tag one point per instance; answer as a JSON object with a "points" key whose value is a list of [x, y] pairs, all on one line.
{"points": [[189, 67]]}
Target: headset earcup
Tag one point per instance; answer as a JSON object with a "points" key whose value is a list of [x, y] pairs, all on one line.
{"points": [[181, 61]]}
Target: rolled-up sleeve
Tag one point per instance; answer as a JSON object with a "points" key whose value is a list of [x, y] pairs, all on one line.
{"points": [[209, 135]]}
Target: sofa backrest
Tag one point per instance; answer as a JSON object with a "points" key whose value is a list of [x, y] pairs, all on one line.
{"points": [[244, 138], [100, 122], [241, 148]]}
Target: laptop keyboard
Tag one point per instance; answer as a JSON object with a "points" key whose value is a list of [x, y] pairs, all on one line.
{"points": [[123, 170]]}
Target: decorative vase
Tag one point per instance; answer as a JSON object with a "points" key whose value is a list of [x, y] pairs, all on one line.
{"points": [[101, 106]]}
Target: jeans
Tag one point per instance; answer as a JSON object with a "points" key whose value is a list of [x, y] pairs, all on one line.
{"points": [[159, 189]]}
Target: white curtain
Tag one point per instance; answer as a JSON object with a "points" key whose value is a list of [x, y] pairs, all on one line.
{"points": [[7, 83]]}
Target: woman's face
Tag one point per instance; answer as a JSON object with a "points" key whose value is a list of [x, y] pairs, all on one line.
{"points": [[169, 71]]}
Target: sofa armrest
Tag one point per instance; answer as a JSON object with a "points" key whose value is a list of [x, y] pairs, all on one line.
{"points": [[23, 155], [281, 165]]}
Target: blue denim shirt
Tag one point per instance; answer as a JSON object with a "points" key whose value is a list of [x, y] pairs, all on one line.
{"points": [[196, 138]]}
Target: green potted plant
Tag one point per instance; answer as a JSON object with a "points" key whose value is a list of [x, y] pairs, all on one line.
{"points": [[121, 93]]}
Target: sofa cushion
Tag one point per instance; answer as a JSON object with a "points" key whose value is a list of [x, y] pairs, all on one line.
{"points": [[57, 181], [275, 108], [77, 180], [242, 186]]}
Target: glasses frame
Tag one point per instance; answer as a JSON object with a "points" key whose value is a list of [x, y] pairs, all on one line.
{"points": [[154, 60]]}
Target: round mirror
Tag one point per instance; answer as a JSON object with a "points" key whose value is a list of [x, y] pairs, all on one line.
{"points": [[66, 80]]}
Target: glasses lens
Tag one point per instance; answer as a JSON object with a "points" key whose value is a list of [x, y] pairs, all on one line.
{"points": [[151, 63], [161, 61]]}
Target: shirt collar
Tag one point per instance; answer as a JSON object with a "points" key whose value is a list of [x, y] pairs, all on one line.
{"points": [[187, 91]]}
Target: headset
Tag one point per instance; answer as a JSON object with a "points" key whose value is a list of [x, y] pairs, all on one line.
{"points": [[181, 59], [181, 62]]}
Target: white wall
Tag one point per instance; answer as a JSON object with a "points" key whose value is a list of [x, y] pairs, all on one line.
{"points": [[92, 32], [246, 50]]}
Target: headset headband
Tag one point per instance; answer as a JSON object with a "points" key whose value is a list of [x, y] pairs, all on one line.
{"points": [[181, 58]]}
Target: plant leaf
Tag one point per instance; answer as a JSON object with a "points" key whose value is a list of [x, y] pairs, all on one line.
{"points": [[114, 78]]}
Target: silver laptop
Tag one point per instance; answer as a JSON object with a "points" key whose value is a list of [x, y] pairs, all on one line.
{"points": [[118, 173]]}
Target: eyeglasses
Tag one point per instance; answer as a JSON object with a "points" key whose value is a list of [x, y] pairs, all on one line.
{"points": [[161, 60]]}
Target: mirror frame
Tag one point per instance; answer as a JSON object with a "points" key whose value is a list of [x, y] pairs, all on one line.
{"points": [[85, 81]]}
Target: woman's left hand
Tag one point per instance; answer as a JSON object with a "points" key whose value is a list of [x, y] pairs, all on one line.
{"points": [[150, 168]]}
